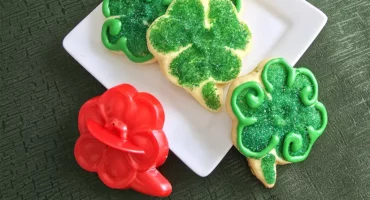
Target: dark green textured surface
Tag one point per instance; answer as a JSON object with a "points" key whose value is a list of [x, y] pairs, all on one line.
{"points": [[42, 89], [280, 115]]}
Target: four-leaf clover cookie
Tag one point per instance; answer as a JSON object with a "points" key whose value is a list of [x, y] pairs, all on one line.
{"points": [[127, 24], [276, 116], [199, 45]]}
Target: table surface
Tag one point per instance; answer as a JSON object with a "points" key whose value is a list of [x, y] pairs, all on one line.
{"points": [[42, 89]]}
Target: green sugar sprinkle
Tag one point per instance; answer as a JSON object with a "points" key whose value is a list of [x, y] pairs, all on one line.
{"points": [[221, 65], [210, 97], [268, 168], [136, 17], [134, 32], [280, 115], [206, 55]]}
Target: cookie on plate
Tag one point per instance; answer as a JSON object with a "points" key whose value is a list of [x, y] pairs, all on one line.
{"points": [[276, 116], [199, 45], [125, 29]]}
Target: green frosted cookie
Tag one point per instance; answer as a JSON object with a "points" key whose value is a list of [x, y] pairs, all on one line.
{"points": [[127, 24], [199, 45], [276, 116]]}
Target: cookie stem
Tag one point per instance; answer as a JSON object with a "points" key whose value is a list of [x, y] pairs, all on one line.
{"points": [[211, 96], [268, 168]]}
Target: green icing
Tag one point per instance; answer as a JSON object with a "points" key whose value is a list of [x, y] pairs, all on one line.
{"points": [[206, 51], [268, 168], [166, 2], [290, 121], [126, 32], [210, 97], [238, 4]]}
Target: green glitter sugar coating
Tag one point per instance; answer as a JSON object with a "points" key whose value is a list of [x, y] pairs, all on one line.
{"points": [[287, 118], [210, 97], [268, 168], [133, 19], [205, 53]]}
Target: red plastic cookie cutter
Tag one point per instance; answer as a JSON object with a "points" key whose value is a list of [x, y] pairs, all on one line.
{"points": [[121, 139]]}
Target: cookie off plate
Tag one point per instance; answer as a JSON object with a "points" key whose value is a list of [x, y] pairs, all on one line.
{"points": [[280, 28]]}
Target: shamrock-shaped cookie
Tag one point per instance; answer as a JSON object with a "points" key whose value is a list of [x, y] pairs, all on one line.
{"points": [[126, 26], [276, 116], [199, 45]]}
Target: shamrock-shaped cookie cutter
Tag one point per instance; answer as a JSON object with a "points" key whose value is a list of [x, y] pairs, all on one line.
{"points": [[121, 139]]}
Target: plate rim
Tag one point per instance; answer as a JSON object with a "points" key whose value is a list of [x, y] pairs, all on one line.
{"points": [[318, 25]]}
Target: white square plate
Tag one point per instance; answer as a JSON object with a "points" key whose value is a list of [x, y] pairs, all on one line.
{"points": [[283, 28]]}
